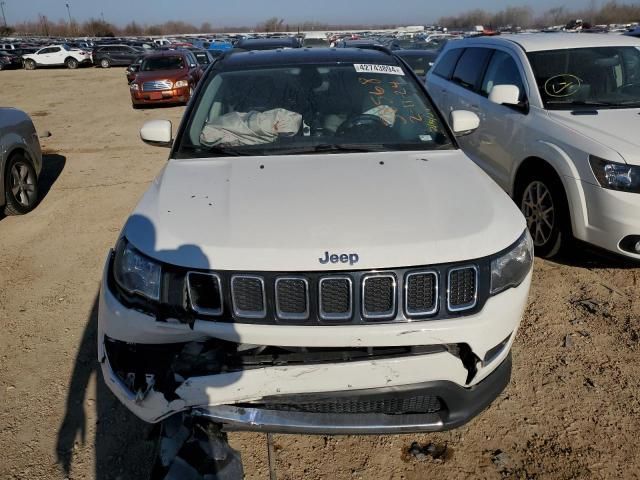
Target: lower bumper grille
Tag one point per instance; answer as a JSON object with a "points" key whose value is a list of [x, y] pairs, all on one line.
{"points": [[388, 406]]}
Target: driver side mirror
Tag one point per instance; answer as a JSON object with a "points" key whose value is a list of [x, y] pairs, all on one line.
{"points": [[463, 122], [157, 133]]}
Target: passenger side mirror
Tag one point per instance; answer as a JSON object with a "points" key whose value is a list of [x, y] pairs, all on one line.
{"points": [[463, 122], [504, 94], [157, 133]]}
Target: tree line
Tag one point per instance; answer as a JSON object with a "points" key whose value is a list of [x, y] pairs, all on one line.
{"points": [[610, 12]]}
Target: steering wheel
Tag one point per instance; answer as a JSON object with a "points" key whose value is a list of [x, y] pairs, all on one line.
{"points": [[363, 125]]}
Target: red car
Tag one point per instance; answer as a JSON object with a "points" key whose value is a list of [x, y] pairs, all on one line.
{"points": [[165, 77]]}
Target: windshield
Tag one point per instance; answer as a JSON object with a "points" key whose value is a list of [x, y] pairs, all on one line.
{"points": [[162, 63], [288, 110], [598, 77]]}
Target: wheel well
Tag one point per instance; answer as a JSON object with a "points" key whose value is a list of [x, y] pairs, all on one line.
{"points": [[536, 165], [70, 58]]}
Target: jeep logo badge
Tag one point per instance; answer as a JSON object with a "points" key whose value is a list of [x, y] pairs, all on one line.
{"points": [[350, 258]]}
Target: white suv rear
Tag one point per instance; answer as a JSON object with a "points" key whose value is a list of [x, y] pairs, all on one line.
{"points": [[559, 130]]}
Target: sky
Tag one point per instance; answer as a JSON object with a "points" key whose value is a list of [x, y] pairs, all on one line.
{"points": [[249, 12]]}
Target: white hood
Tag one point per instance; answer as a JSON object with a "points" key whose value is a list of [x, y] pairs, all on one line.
{"points": [[414, 209], [613, 128]]}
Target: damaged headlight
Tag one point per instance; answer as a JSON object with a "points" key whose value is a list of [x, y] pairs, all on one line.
{"points": [[615, 176], [136, 273], [511, 268]]}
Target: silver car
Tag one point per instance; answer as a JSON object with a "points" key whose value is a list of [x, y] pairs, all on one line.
{"points": [[20, 162]]}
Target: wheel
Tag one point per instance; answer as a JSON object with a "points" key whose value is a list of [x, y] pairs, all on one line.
{"points": [[1, 66], [21, 186], [543, 203], [104, 63], [71, 63], [29, 64]]}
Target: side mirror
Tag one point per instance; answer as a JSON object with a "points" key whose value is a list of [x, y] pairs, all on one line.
{"points": [[157, 133], [463, 122], [193, 65], [504, 94]]}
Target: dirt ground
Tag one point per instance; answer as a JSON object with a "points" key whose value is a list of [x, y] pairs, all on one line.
{"points": [[572, 409]]}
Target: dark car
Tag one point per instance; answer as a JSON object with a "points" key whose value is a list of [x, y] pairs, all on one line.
{"points": [[267, 43], [169, 76], [8, 60], [133, 69], [204, 57], [111, 55], [420, 61]]}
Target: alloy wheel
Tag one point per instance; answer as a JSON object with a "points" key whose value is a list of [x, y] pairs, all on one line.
{"points": [[23, 184], [539, 210]]}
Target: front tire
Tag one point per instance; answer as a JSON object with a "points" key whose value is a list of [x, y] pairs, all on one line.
{"points": [[29, 64], [71, 63], [541, 198], [104, 63], [21, 186]]}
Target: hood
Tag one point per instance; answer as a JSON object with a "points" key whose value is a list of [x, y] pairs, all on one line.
{"points": [[161, 75], [614, 128], [391, 209]]}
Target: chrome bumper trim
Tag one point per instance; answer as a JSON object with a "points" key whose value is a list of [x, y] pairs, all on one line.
{"points": [[255, 419]]}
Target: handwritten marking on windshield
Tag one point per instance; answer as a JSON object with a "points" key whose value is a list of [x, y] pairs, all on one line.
{"points": [[563, 85]]}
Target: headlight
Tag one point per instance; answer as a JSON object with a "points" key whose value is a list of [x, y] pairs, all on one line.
{"points": [[511, 268], [134, 86], [136, 273], [181, 83], [615, 176]]}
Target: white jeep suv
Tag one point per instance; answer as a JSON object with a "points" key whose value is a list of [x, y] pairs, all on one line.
{"points": [[559, 130], [57, 55], [317, 255]]}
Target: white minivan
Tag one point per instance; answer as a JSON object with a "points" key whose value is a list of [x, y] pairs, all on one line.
{"points": [[559, 130]]}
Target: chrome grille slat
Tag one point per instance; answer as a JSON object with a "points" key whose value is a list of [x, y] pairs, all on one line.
{"points": [[157, 85], [421, 292], [248, 296], [292, 298], [335, 298], [462, 288], [379, 292], [205, 293]]}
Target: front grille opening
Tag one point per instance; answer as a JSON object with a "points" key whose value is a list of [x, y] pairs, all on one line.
{"points": [[205, 293], [292, 298], [462, 288], [421, 293], [378, 296], [247, 294], [335, 298], [386, 406]]}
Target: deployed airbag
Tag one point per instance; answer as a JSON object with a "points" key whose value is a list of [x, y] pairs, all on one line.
{"points": [[252, 128]]}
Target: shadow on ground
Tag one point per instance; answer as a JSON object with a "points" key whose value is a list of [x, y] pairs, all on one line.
{"points": [[583, 255], [52, 166], [124, 445]]}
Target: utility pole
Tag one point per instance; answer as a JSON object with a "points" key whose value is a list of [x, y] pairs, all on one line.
{"points": [[70, 21], [4, 19]]}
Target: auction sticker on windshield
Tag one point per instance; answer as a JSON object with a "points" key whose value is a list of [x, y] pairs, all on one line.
{"points": [[370, 68]]}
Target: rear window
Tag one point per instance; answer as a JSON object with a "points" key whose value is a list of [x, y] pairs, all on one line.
{"points": [[470, 67], [445, 66]]}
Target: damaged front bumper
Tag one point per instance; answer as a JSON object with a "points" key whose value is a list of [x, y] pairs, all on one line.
{"points": [[403, 377]]}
